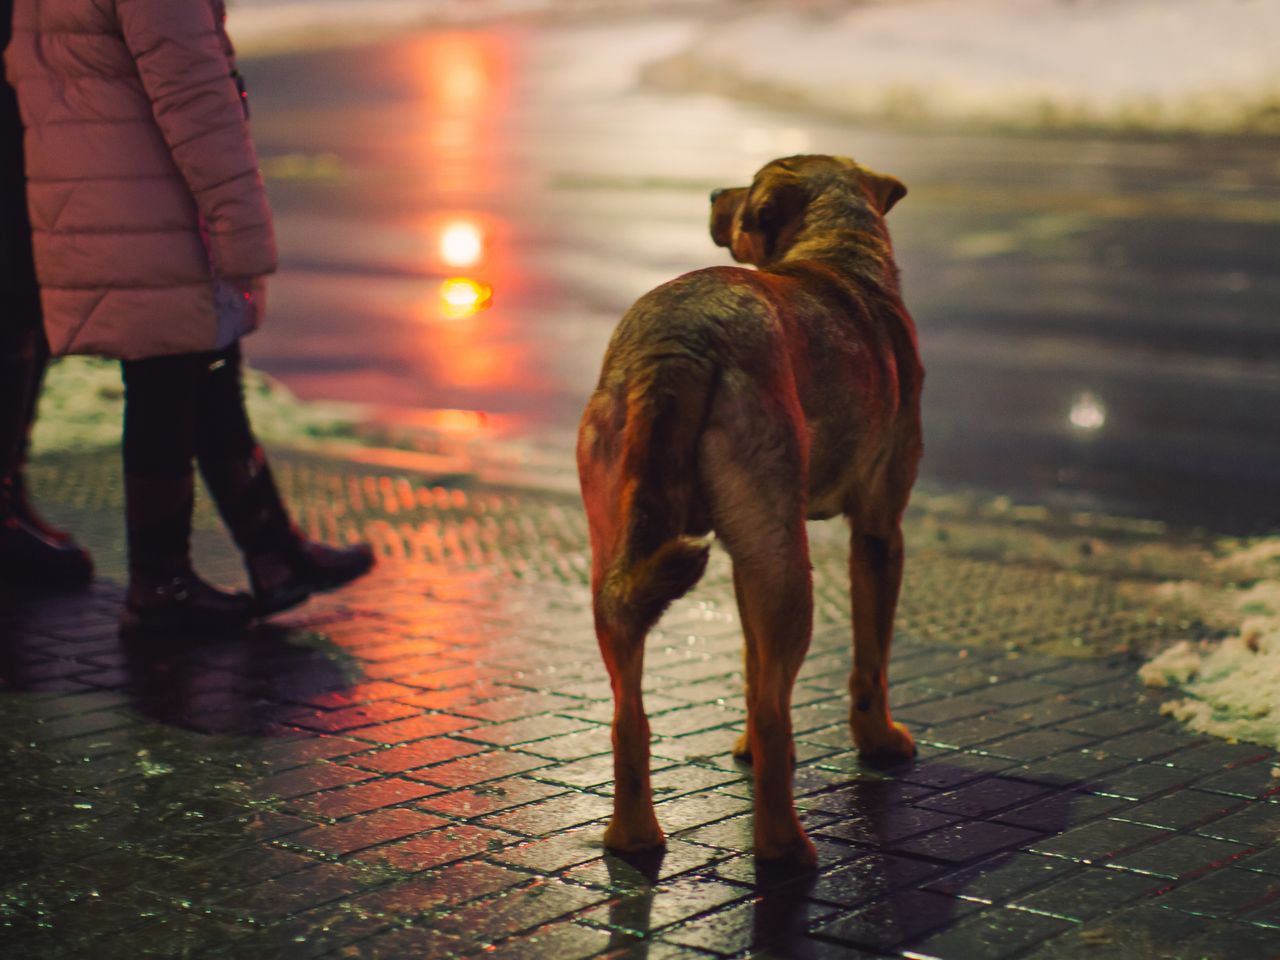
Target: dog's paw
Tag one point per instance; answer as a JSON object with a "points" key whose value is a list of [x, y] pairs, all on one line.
{"points": [[795, 852], [742, 749], [634, 838], [885, 744]]}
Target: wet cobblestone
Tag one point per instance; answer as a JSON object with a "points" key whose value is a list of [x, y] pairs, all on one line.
{"points": [[419, 765]]}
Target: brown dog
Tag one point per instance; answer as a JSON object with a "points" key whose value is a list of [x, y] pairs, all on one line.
{"points": [[743, 402]]}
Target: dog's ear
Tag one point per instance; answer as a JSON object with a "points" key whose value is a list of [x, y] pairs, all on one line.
{"points": [[772, 205], [885, 190]]}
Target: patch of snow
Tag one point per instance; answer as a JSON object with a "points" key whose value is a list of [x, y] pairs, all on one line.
{"points": [[1204, 65], [1232, 686], [82, 407], [261, 26]]}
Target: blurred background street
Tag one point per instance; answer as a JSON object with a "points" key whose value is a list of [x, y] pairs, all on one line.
{"points": [[1096, 308]]}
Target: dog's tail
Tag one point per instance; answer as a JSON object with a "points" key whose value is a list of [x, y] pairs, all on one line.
{"points": [[656, 561]]}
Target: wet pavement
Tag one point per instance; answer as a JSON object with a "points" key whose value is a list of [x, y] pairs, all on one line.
{"points": [[1097, 312], [418, 766]]}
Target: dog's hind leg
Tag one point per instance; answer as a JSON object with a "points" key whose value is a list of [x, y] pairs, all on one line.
{"points": [[759, 516], [875, 573], [634, 826]]}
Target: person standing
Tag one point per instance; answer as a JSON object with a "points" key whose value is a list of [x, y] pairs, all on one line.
{"points": [[152, 238], [29, 548]]}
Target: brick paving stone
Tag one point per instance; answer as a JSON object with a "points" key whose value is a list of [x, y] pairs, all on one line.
{"points": [[772, 926], [527, 730], [1143, 931], [1036, 744], [1085, 894], [435, 848], [1056, 812], [1254, 781], [693, 811], [336, 804], [991, 935], [1182, 856], [1099, 841], [648, 910], [984, 798], [944, 710], [349, 718], [888, 826], [1002, 877], [1223, 893], [1144, 745], [569, 941], [970, 732], [869, 877], [413, 728], [962, 842], [407, 942], [550, 816], [1056, 711], [517, 707], [517, 911], [1267, 861], [412, 756], [278, 898], [364, 830], [1258, 825], [478, 769], [893, 921], [487, 798], [1217, 755], [629, 872], [951, 768], [413, 899], [589, 772], [557, 852], [1182, 809], [295, 752], [572, 746], [308, 779]]}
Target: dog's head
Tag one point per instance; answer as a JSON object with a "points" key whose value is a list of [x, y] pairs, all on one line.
{"points": [[794, 198]]}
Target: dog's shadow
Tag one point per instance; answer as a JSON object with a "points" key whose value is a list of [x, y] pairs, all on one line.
{"points": [[890, 874]]}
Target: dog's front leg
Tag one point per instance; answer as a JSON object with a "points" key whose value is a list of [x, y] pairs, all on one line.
{"points": [[634, 826], [875, 568]]}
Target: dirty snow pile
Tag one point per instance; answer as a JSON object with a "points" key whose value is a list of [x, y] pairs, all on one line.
{"points": [[83, 405], [265, 25], [1203, 65], [1231, 686]]}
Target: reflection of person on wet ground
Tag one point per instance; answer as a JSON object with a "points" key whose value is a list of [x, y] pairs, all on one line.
{"points": [[29, 548], [153, 238]]}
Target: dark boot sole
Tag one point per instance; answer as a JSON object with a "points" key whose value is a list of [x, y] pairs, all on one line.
{"points": [[298, 591], [135, 624]]}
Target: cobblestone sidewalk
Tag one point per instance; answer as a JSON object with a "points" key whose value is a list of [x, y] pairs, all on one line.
{"points": [[419, 766]]}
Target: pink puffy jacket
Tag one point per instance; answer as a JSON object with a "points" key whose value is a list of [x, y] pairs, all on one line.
{"points": [[136, 139]]}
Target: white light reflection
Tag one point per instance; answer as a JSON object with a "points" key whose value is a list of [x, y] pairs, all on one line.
{"points": [[1088, 413], [461, 244]]}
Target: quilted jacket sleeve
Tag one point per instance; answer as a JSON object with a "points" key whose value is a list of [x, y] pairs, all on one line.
{"points": [[185, 71]]}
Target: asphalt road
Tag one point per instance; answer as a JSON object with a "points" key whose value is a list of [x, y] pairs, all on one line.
{"points": [[1098, 314]]}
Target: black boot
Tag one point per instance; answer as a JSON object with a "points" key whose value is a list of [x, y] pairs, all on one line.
{"points": [[285, 567], [30, 549], [164, 592]]}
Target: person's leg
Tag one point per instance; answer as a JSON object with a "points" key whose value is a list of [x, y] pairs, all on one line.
{"points": [[29, 548], [162, 397], [285, 567]]}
